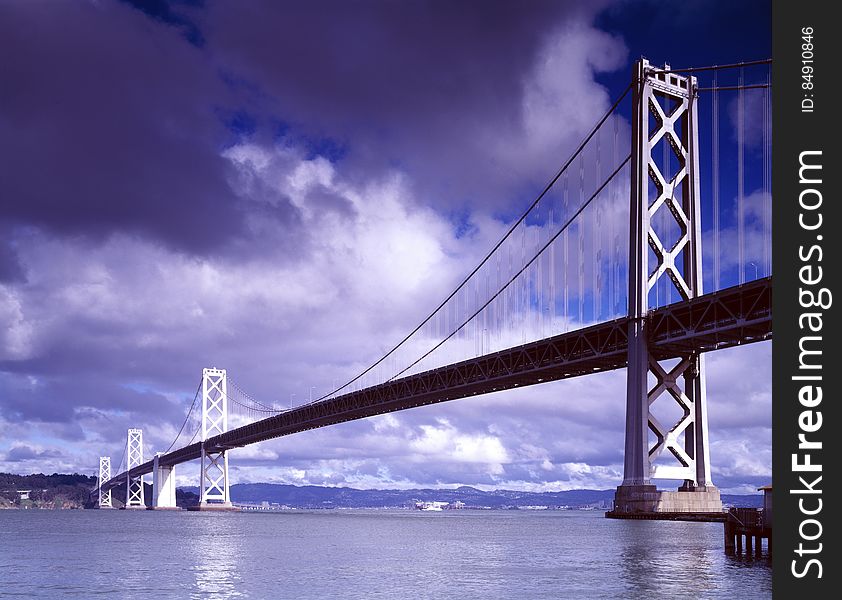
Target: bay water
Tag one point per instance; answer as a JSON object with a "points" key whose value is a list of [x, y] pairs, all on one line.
{"points": [[350, 554]]}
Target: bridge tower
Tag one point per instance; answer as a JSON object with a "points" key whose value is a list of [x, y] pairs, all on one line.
{"points": [[214, 476], [134, 458], [671, 100], [104, 500]]}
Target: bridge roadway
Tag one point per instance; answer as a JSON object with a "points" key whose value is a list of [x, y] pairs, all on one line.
{"points": [[730, 317]]}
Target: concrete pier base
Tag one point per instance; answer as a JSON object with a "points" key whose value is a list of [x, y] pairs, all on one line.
{"points": [[639, 500], [163, 485]]}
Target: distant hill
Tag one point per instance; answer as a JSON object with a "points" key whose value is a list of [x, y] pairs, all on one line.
{"points": [[61, 491], [73, 491], [46, 491], [314, 497]]}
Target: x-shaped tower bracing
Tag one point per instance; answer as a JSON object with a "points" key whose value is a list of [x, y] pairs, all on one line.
{"points": [[134, 458], [214, 475], [671, 99], [104, 498]]}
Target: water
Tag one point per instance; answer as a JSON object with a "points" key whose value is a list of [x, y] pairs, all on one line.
{"points": [[367, 554]]}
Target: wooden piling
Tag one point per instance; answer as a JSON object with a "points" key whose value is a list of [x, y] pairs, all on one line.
{"points": [[747, 522]]}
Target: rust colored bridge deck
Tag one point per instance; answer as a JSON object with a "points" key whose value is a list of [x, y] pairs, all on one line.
{"points": [[730, 317]]}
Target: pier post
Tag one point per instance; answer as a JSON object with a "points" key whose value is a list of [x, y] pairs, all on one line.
{"points": [[730, 541]]}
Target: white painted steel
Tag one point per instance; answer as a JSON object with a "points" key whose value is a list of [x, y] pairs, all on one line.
{"points": [[104, 500], [134, 458], [671, 99], [214, 474]]}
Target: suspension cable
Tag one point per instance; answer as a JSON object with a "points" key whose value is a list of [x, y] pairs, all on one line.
{"points": [[738, 65], [520, 272], [494, 249], [195, 397]]}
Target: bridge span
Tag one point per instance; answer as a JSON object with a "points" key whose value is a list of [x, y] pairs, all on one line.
{"points": [[532, 276], [734, 316]]}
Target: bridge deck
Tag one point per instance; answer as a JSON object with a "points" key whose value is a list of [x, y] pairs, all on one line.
{"points": [[730, 317]]}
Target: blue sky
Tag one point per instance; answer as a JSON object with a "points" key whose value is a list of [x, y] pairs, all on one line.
{"points": [[284, 190]]}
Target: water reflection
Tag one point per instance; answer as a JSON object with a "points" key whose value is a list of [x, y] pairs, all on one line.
{"points": [[346, 555], [217, 554]]}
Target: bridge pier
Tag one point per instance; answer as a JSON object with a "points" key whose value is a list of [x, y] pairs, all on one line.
{"points": [[163, 485], [671, 100]]}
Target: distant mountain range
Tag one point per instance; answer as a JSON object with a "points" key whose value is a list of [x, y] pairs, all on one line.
{"points": [[313, 497]]}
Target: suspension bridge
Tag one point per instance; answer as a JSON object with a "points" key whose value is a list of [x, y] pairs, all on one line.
{"points": [[606, 269]]}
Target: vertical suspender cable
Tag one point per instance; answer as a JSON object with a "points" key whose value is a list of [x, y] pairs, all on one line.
{"points": [[715, 179], [615, 273], [552, 299], [477, 332], [767, 169], [740, 188], [539, 290], [581, 246], [595, 246], [565, 247], [522, 299]]}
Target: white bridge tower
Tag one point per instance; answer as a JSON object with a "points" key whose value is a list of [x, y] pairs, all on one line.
{"points": [[134, 458], [104, 500], [214, 476], [671, 100]]}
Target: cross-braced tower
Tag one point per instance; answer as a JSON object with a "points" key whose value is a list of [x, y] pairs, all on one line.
{"points": [[214, 477], [667, 183], [134, 458], [104, 500]]}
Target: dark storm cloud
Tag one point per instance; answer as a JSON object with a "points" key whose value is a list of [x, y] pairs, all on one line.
{"points": [[430, 86], [56, 400], [113, 118], [24, 452], [107, 120]]}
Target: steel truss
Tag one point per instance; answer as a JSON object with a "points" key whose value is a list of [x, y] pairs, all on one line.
{"points": [[214, 475], [730, 317], [104, 495], [671, 100], [134, 458]]}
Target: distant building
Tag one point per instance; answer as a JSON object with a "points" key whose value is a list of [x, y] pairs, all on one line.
{"points": [[767, 504], [24, 494]]}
